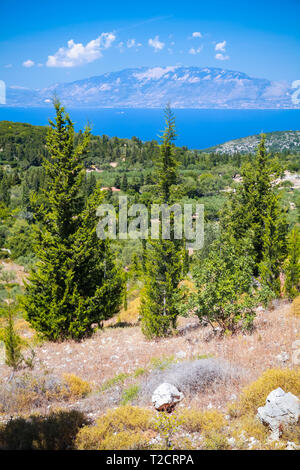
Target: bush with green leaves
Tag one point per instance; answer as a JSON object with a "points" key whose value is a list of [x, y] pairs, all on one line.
{"points": [[225, 295]]}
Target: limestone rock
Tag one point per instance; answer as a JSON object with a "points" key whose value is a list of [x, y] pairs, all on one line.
{"points": [[165, 397], [281, 409]]}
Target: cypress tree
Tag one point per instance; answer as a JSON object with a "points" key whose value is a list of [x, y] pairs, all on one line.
{"points": [[163, 258], [124, 183], [166, 165], [246, 212], [8, 309], [292, 264], [273, 245], [76, 282]]}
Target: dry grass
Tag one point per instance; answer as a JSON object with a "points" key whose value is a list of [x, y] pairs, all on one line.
{"points": [[295, 307], [124, 352], [120, 428], [256, 393], [77, 387], [130, 315], [17, 270]]}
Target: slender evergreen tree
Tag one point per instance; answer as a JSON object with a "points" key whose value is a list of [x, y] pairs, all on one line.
{"points": [[9, 309], [166, 165], [273, 245], [248, 209], [124, 183], [76, 282], [292, 264]]}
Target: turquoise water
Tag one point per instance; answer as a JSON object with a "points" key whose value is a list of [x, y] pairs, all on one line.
{"points": [[196, 128]]}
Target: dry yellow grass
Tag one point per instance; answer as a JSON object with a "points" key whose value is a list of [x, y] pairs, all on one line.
{"points": [[130, 315], [256, 393], [120, 428], [205, 422], [77, 387], [295, 307]]}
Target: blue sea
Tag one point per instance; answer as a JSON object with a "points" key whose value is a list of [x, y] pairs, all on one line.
{"points": [[196, 128]]}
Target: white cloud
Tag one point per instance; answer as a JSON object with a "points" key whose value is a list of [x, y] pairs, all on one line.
{"points": [[18, 87], [77, 54], [197, 34], [222, 57], [194, 51], [155, 73], [220, 46], [156, 44], [28, 63], [130, 43], [121, 46]]}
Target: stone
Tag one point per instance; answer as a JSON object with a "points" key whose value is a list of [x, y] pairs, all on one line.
{"points": [[291, 446], [281, 409], [180, 354], [283, 357], [165, 397]]}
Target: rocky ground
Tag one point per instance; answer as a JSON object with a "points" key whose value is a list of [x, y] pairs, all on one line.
{"points": [[121, 356]]}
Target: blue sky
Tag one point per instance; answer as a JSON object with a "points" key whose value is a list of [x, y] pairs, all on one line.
{"points": [[45, 42]]}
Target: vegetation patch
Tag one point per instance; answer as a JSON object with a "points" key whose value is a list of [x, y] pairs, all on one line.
{"points": [[120, 428], [255, 394]]}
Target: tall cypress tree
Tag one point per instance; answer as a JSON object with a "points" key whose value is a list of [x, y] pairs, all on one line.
{"points": [[248, 208], [273, 244], [163, 258], [76, 282], [292, 264], [166, 165]]}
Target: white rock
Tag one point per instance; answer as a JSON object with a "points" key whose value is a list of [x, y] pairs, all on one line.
{"points": [[180, 354], [280, 409], [231, 441], [166, 396], [283, 357], [291, 446]]}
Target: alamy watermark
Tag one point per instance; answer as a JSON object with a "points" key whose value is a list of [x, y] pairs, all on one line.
{"points": [[2, 92], [161, 221], [296, 94]]}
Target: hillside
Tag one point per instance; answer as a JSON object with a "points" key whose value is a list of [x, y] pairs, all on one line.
{"points": [[25, 144], [281, 141], [183, 87], [114, 373]]}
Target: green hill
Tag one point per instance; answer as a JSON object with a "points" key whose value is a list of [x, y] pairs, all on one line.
{"points": [[281, 141]]}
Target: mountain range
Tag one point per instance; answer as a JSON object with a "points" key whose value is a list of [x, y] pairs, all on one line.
{"points": [[183, 87]]}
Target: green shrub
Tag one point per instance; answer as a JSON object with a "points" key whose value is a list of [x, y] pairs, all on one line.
{"points": [[120, 428], [129, 394]]}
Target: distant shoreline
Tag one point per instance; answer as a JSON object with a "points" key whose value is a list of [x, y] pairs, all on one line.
{"points": [[196, 128]]}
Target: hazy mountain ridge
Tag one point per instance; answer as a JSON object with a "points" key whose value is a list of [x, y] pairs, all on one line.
{"points": [[275, 141], [183, 87]]}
